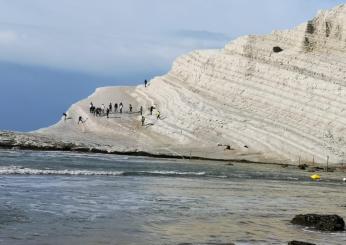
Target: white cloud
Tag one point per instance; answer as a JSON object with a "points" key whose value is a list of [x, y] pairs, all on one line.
{"points": [[8, 37], [118, 36]]}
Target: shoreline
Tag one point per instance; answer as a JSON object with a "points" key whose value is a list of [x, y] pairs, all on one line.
{"points": [[40, 142], [128, 153], [35, 142]]}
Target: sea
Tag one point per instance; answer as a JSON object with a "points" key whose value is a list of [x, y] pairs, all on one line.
{"points": [[72, 198]]}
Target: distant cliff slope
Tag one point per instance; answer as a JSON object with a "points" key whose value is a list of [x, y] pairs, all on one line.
{"points": [[273, 98]]}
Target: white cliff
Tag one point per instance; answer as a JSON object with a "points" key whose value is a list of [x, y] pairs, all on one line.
{"points": [[269, 106]]}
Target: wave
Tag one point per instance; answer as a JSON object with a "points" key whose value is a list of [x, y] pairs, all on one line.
{"points": [[17, 170], [164, 173]]}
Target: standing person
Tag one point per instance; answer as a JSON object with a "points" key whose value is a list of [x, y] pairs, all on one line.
{"points": [[92, 109], [151, 110], [65, 116], [80, 119], [98, 112], [130, 108], [158, 115], [110, 106], [91, 106], [141, 110], [145, 83], [143, 120], [121, 107], [115, 107], [107, 112], [103, 108]]}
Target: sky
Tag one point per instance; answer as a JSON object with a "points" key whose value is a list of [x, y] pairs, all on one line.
{"points": [[55, 52]]}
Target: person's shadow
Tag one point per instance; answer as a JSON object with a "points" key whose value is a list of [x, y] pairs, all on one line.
{"points": [[148, 125]]}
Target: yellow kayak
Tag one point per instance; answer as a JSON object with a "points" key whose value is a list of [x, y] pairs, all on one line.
{"points": [[315, 177]]}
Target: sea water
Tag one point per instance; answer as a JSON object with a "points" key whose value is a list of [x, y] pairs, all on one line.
{"points": [[70, 198]]}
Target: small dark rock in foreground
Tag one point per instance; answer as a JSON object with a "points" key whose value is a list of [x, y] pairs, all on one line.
{"points": [[300, 243], [320, 222]]}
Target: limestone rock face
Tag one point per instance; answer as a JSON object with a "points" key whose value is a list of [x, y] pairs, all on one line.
{"points": [[278, 98]]}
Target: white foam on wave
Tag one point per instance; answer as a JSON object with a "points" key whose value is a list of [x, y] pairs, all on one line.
{"points": [[172, 173], [19, 170], [16, 170]]}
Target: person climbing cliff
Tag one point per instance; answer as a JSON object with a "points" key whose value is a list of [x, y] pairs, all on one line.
{"points": [[91, 107], [158, 116], [121, 107], [80, 120]]}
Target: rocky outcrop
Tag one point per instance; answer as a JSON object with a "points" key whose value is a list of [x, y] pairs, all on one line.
{"points": [[35, 142], [281, 95], [320, 222]]}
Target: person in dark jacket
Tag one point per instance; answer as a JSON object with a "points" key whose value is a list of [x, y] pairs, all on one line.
{"points": [[80, 120], [130, 108]]}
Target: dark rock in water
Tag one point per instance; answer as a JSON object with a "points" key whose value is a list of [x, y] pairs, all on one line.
{"points": [[300, 243], [277, 49], [320, 222], [302, 166]]}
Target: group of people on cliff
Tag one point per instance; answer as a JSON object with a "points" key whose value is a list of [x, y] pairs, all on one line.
{"points": [[101, 111], [118, 108], [105, 111], [111, 108]]}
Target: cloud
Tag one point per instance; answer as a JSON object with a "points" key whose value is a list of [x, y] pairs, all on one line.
{"points": [[114, 36], [204, 35], [8, 37]]}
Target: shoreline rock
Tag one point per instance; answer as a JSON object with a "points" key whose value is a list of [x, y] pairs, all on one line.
{"points": [[328, 223], [300, 243]]}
